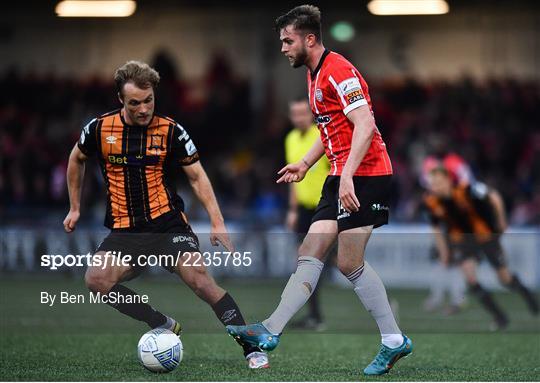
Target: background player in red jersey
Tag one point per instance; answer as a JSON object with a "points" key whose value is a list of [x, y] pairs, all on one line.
{"points": [[354, 197], [134, 147]]}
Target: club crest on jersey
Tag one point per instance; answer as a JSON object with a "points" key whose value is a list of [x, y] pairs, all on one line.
{"points": [[156, 142], [110, 139], [318, 94]]}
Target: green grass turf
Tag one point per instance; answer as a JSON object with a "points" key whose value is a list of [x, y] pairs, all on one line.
{"points": [[93, 342]]}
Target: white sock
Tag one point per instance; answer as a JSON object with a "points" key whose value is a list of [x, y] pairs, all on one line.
{"points": [[295, 294], [392, 340], [370, 289], [437, 285]]}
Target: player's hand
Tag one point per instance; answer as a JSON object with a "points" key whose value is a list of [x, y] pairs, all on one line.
{"points": [[292, 219], [219, 235], [347, 196], [71, 221], [293, 172]]}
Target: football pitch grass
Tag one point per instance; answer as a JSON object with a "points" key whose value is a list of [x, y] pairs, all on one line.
{"points": [[86, 342]]}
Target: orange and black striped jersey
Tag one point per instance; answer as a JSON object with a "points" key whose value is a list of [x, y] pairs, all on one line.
{"points": [[467, 211], [134, 162]]}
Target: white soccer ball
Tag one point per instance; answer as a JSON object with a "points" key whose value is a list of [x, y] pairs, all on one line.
{"points": [[160, 350]]}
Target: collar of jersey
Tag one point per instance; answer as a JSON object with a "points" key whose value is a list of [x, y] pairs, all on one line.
{"points": [[134, 126], [319, 65]]}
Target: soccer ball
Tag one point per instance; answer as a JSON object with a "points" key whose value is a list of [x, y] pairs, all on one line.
{"points": [[160, 350]]}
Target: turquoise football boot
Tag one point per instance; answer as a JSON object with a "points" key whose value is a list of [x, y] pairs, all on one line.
{"points": [[255, 335], [387, 357]]}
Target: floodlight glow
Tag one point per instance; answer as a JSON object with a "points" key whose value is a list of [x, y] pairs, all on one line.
{"points": [[342, 31], [98, 8], [408, 7]]}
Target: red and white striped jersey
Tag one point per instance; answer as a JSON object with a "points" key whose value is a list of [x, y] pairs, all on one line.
{"points": [[335, 88]]}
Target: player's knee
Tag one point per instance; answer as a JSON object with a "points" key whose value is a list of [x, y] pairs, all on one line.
{"points": [[97, 282], [346, 266]]}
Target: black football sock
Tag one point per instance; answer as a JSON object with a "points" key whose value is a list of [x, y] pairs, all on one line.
{"points": [[529, 298], [139, 311], [229, 313], [487, 301]]}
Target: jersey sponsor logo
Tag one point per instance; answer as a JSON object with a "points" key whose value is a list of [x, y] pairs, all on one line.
{"points": [[354, 96], [322, 119], [349, 85], [110, 139], [133, 160], [156, 142], [190, 148], [189, 145], [351, 89], [318, 94]]}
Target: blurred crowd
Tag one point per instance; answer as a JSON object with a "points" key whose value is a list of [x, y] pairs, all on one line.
{"points": [[493, 125]]}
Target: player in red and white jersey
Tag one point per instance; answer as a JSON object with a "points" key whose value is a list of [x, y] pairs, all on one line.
{"points": [[335, 89], [354, 198]]}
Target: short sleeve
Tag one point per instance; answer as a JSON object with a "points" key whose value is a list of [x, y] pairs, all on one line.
{"points": [[348, 87], [183, 150], [87, 142]]}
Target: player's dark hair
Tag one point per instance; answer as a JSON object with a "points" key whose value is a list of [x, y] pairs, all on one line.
{"points": [[139, 73], [304, 18]]}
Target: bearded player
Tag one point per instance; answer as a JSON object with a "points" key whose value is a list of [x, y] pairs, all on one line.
{"points": [[354, 197]]}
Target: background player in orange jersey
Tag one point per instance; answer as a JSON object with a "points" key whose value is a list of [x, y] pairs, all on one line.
{"points": [[468, 221], [445, 277]]}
